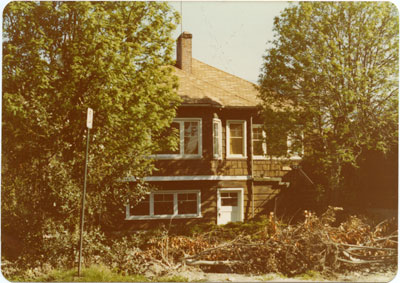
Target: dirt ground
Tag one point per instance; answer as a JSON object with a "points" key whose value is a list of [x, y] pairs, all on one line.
{"points": [[198, 275]]}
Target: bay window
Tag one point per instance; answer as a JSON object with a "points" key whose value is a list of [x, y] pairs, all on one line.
{"points": [[217, 139]]}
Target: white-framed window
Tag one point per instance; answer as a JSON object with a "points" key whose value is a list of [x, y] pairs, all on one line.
{"points": [[286, 145], [236, 139], [190, 140], [167, 204], [217, 139], [295, 153], [259, 143]]}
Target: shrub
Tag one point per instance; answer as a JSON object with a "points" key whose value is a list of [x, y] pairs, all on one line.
{"points": [[125, 256], [57, 248]]}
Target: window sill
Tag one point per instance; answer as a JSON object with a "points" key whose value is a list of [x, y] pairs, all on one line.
{"points": [[259, 157], [277, 158], [236, 157], [295, 158], [155, 217]]}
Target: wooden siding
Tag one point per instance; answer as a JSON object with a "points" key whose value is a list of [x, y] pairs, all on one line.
{"points": [[207, 165], [264, 201], [259, 194], [272, 168]]}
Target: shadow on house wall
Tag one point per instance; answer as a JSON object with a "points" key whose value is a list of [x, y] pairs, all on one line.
{"points": [[371, 189]]}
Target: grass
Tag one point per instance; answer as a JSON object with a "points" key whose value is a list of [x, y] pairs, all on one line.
{"points": [[311, 275], [268, 277], [94, 273], [273, 276], [97, 273], [175, 278]]}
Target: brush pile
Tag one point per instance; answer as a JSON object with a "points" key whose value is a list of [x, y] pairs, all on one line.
{"points": [[314, 244]]}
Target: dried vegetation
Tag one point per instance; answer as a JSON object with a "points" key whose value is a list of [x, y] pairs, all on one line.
{"points": [[313, 244]]}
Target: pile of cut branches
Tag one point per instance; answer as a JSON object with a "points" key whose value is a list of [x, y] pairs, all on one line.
{"points": [[313, 244]]}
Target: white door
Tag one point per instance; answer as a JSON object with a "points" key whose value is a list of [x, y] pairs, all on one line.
{"points": [[229, 205]]}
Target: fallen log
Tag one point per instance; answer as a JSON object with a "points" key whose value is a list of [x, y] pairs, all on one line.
{"points": [[212, 262], [356, 247], [360, 261], [225, 245]]}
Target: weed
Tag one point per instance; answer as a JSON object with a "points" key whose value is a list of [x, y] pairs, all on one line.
{"points": [[267, 277], [311, 275], [273, 276], [175, 278]]}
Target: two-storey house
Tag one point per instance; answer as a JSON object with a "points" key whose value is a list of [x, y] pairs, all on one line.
{"points": [[220, 172]]}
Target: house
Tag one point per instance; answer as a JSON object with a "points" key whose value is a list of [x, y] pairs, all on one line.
{"points": [[220, 172]]}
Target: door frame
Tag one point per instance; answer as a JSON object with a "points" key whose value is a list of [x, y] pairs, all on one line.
{"points": [[240, 202]]}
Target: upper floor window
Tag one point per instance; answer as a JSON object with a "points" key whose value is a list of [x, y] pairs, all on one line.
{"points": [[259, 144], [295, 147], [286, 145], [190, 140], [173, 129], [236, 138], [217, 139]]}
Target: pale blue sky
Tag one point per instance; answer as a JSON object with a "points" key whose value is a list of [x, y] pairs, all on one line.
{"points": [[231, 36]]}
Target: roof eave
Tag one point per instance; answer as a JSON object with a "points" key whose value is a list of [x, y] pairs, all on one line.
{"points": [[218, 106]]}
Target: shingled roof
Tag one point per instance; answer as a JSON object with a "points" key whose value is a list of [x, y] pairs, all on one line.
{"points": [[203, 84]]}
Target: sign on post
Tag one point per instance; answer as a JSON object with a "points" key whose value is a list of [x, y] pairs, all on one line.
{"points": [[89, 122]]}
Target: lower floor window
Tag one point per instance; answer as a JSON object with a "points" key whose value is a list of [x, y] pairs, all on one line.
{"points": [[142, 208], [167, 204], [163, 204], [187, 203]]}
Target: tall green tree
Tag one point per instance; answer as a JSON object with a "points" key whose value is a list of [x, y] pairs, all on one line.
{"points": [[330, 78], [59, 58]]}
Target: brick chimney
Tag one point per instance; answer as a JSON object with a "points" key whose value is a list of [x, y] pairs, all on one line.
{"points": [[184, 52]]}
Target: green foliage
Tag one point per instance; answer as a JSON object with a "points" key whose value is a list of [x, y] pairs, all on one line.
{"points": [[252, 228], [201, 228], [94, 273], [330, 80], [58, 250], [273, 277], [125, 256], [58, 247], [255, 228], [59, 58], [311, 275]]}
